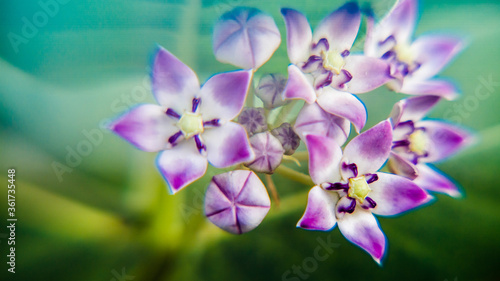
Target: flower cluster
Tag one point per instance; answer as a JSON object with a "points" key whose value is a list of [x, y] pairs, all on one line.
{"points": [[383, 171]]}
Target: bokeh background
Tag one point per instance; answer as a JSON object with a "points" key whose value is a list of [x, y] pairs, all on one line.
{"points": [[105, 214]]}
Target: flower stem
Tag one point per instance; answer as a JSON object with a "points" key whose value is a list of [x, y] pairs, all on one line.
{"points": [[272, 187], [294, 175], [301, 155]]}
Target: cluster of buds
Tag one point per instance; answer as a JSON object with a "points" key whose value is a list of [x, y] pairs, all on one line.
{"points": [[192, 126]]}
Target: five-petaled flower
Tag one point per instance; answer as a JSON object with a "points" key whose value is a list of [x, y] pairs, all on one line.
{"points": [[418, 142], [413, 64], [349, 188], [190, 124]]}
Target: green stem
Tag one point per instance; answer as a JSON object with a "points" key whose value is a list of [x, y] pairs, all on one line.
{"points": [[301, 155], [294, 175]]}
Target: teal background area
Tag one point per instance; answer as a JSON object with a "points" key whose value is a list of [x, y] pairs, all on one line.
{"points": [[110, 217]]}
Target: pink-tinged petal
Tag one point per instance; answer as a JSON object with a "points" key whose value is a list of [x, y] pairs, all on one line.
{"points": [[320, 210], [414, 108], [224, 94], [444, 139], [399, 22], [145, 126], [367, 74], [298, 87], [298, 35], [174, 84], [268, 153], [370, 149], [401, 166], [181, 165], [324, 159], [245, 37], [395, 194], [344, 105], [433, 87], [433, 52], [340, 27], [362, 229], [432, 180], [236, 201], [227, 145], [312, 119]]}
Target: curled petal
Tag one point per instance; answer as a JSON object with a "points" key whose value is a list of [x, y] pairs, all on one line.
{"points": [[432, 180], [320, 210], [227, 145], [224, 94], [340, 27], [298, 87], [146, 126], [324, 159], [444, 139], [433, 52], [245, 37], [174, 84], [434, 87], [395, 194], [268, 153], [298, 35], [236, 201], [401, 166], [414, 108], [370, 149], [367, 73], [361, 228], [181, 165], [344, 105], [312, 119]]}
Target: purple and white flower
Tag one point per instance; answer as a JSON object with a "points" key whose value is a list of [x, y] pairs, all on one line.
{"points": [[190, 125], [417, 142], [237, 201], [413, 63], [324, 71], [245, 37], [349, 190]]}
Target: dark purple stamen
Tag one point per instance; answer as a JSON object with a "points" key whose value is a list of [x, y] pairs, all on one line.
{"points": [[174, 138], [199, 144], [388, 55], [212, 123], [400, 143], [337, 186], [387, 40], [312, 59], [353, 167], [324, 42], [347, 78], [349, 208], [170, 112], [371, 178], [326, 82], [345, 53], [371, 202], [196, 103]]}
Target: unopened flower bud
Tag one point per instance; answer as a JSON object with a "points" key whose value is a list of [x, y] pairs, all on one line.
{"points": [[270, 88], [253, 119], [287, 137], [268, 153]]}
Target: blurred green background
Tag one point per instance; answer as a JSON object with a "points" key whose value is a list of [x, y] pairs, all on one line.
{"points": [[107, 215]]}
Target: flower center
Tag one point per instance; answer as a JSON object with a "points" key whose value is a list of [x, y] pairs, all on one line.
{"points": [[190, 124], [418, 142], [404, 54], [333, 61], [358, 188]]}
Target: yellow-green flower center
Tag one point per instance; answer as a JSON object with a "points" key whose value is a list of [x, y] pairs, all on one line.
{"points": [[358, 188], [418, 142], [404, 54], [190, 124], [333, 61]]}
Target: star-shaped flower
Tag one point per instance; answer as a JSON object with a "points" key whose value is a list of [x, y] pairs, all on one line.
{"points": [[190, 125]]}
